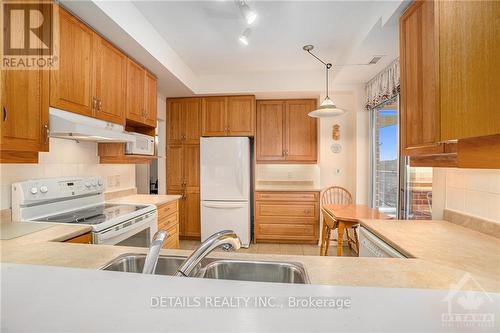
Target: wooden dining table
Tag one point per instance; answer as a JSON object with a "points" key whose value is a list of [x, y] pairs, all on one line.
{"points": [[350, 215]]}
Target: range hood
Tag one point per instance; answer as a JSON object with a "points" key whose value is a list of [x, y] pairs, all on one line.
{"points": [[68, 125]]}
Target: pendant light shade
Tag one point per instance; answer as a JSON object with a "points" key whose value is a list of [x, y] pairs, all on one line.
{"points": [[327, 107]]}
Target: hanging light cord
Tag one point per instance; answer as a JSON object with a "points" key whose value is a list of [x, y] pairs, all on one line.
{"points": [[327, 65]]}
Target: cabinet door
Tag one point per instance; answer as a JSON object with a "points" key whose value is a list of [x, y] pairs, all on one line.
{"points": [[192, 166], [182, 207], [175, 166], [150, 99], [71, 84], [241, 115], [214, 115], [191, 121], [469, 54], [420, 119], [175, 126], [110, 81], [191, 223], [135, 92], [270, 135], [25, 107], [300, 132]]}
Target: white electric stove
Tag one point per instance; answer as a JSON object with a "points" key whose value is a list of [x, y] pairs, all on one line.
{"points": [[77, 200]]}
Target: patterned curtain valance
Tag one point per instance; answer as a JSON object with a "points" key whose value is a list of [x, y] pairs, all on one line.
{"points": [[384, 86]]}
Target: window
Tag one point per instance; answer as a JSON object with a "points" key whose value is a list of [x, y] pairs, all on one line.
{"points": [[398, 190], [385, 148]]}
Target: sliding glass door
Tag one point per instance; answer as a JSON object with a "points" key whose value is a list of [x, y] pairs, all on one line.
{"points": [[385, 157], [398, 190]]}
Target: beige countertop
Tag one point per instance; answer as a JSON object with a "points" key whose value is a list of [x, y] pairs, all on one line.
{"points": [[286, 185], [442, 243], [149, 199], [286, 188], [45, 248]]}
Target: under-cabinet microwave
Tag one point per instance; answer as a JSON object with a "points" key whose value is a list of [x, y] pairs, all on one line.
{"points": [[143, 145]]}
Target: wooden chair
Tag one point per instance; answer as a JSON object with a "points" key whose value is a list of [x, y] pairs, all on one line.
{"points": [[336, 195]]}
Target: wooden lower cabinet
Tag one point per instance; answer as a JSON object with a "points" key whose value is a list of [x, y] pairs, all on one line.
{"points": [[287, 217], [82, 239], [189, 212], [168, 219]]}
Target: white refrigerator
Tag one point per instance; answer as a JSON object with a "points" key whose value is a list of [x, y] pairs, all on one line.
{"points": [[225, 186]]}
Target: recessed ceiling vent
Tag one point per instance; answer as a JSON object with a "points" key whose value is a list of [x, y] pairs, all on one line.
{"points": [[374, 60]]}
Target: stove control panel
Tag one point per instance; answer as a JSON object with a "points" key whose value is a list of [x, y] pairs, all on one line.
{"points": [[32, 191]]}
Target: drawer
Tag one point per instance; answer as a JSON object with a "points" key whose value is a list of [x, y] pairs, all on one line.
{"points": [[284, 231], [287, 196], [168, 221], [167, 209], [172, 242], [285, 210]]}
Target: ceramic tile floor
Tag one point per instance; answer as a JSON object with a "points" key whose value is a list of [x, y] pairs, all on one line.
{"points": [[272, 248]]}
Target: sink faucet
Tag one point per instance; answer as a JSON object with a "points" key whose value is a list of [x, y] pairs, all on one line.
{"points": [[154, 251], [226, 238]]}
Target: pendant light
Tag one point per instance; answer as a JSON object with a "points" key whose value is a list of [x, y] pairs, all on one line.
{"points": [[327, 107]]}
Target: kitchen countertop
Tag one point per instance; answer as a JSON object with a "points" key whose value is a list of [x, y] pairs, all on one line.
{"points": [[60, 299], [442, 243], [150, 199], [286, 186], [45, 249]]}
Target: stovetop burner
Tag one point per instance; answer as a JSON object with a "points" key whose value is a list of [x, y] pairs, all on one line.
{"points": [[93, 215]]}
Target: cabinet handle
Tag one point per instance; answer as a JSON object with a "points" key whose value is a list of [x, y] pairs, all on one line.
{"points": [[99, 106], [47, 133], [94, 103], [4, 113]]}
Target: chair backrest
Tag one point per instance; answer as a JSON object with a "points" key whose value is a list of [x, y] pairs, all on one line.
{"points": [[336, 195]]}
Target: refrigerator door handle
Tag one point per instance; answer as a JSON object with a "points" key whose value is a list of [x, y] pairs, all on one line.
{"points": [[224, 205]]}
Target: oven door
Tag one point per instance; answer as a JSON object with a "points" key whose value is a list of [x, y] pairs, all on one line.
{"points": [[136, 232]]}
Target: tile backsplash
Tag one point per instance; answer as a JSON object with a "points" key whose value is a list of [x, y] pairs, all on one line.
{"points": [[66, 158], [287, 172], [474, 192]]}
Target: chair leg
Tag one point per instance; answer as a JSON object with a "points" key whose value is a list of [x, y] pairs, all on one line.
{"points": [[327, 245], [323, 237], [356, 240]]}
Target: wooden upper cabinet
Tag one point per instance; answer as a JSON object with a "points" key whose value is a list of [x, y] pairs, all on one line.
{"points": [[135, 92], [110, 80], [175, 166], [469, 54], [270, 143], [24, 114], [285, 133], [214, 115], [71, 84], [301, 131], [228, 116], [150, 96], [191, 121], [184, 120], [241, 115], [420, 117], [191, 161]]}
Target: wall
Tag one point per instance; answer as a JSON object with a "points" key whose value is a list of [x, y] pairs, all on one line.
{"points": [[471, 191], [66, 158], [350, 167]]}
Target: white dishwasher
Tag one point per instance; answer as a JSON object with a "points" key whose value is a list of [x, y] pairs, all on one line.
{"points": [[372, 246]]}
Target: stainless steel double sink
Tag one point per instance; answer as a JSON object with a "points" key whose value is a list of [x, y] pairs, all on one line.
{"points": [[224, 269]]}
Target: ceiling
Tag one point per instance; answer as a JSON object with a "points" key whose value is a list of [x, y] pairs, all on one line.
{"points": [[205, 34], [193, 48]]}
